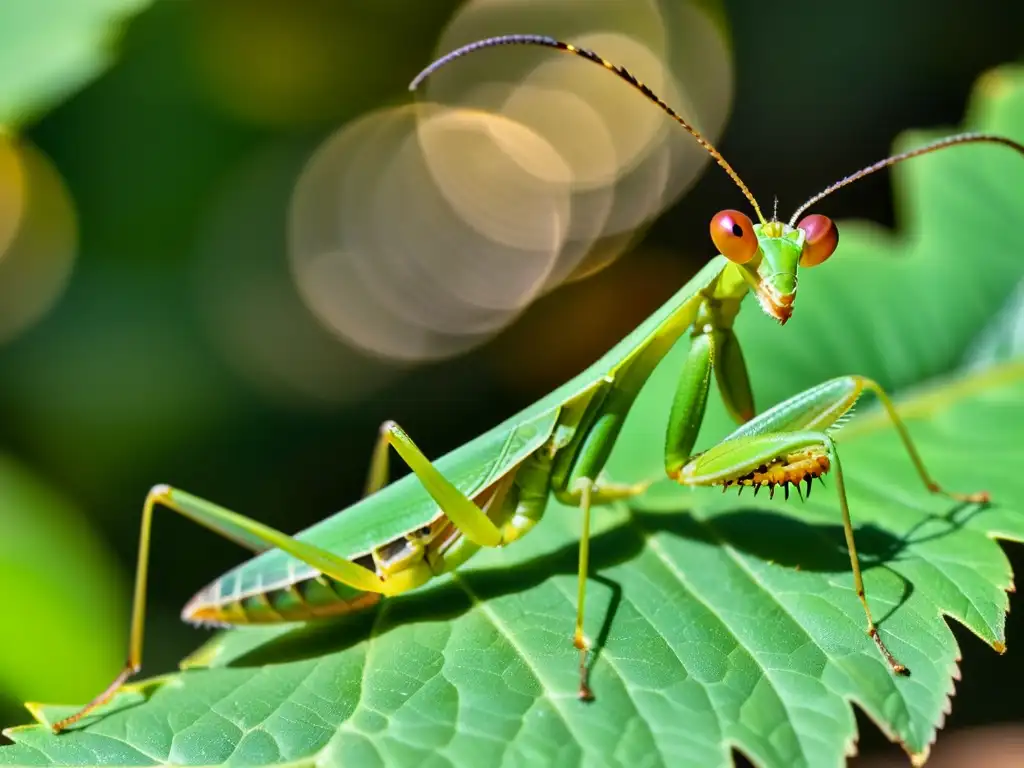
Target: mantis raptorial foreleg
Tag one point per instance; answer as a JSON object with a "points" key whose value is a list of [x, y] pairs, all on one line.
{"points": [[731, 375], [789, 443], [713, 349]]}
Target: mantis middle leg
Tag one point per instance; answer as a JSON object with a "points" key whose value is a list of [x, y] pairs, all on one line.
{"points": [[713, 350]]}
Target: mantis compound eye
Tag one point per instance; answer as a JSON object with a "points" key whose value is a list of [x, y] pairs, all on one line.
{"points": [[733, 235], [822, 239]]}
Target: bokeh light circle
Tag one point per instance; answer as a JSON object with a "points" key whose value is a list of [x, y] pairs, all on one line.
{"points": [[629, 160], [12, 191], [254, 313], [411, 258], [37, 262]]}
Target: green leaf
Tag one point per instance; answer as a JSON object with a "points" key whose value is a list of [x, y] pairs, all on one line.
{"points": [[721, 624], [49, 48], [62, 595], [1003, 339]]}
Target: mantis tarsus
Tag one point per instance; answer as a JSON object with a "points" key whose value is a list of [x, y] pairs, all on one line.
{"points": [[493, 490]]}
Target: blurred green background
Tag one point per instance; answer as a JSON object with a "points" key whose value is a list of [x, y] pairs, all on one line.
{"points": [[170, 163]]}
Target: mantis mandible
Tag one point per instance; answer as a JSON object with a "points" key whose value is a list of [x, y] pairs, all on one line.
{"points": [[494, 489]]}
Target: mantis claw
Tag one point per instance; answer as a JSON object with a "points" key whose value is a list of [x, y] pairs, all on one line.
{"points": [[585, 692], [979, 497]]}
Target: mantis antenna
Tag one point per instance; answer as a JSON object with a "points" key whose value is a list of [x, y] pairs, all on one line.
{"points": [[949, 141], [624, 74]]}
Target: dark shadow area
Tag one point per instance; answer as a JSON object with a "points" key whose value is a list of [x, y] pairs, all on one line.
{"points": [[822, 547], [609, 618], [763, 534], [451, 600], [11, 713]]}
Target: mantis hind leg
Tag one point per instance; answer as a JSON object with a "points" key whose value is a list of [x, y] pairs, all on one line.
{"points": [[463, 513], [235, 527]]}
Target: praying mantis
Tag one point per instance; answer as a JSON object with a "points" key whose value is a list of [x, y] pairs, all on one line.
{"points": [[494, 489]]}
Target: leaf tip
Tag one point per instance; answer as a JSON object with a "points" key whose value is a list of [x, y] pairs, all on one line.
{"points": [[147, 687], [203, 657], [918, 759], [15, 731], [38, 712], [994, 84]]}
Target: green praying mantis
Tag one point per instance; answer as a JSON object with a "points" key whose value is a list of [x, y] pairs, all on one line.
{"points": [[494, 489]]}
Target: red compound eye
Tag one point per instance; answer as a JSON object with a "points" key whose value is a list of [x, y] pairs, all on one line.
{"points": [[733, 235], [822, 239]]}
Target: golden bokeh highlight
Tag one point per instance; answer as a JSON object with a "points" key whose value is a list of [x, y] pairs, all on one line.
{"points": [[420, 231], [629, 122], [12, 191], [592, 119], [571, 125], [37, 262], [679, 51], [417, 259], [700, 60], [493, 172]]}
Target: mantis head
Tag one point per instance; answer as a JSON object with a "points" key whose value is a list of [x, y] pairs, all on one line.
{"points": [[771, 253]]}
